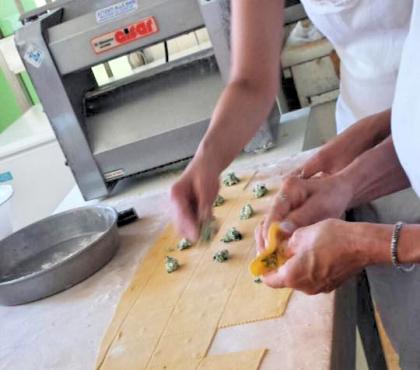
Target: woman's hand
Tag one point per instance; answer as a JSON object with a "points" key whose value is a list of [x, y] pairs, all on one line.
{"points": [[303, 202], [343, 149], [192, 198], [305, 198], [324, 255]]}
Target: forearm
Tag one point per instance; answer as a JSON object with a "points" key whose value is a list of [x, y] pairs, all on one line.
{"points": [[257, 36], [369, 131], [343, 149], [375, 173], [379, 127], [239, 113], [374, 241]]}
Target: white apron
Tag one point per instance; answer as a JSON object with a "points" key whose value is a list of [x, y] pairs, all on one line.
{"points": [[406, 136], [406, 108], [368, 35]]}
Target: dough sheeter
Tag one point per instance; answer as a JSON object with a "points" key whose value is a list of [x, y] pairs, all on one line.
{"points": [[155, 117]]}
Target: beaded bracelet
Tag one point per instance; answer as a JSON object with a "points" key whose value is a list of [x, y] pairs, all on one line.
{"points": [[394, 247]]}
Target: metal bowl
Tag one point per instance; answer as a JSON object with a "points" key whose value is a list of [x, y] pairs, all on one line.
{"points": [[56, 253]]}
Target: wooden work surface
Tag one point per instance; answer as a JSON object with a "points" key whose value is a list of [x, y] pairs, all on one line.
{"points": [[65, 331]]}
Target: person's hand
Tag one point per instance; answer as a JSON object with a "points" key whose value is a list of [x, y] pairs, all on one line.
{"points": [[192, 198], [323, 256], [343, 149], [303, 202]]}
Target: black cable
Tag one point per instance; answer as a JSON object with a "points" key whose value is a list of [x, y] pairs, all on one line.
{"points": [[165, 44]]}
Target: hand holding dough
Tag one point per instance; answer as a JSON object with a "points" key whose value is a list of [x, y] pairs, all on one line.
{"points": [[273, 256]]}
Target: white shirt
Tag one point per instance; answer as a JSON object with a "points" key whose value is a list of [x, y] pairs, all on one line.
{"points": [[406, 107], [368, 36]]}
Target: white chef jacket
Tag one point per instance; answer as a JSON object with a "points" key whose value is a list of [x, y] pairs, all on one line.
{"points": [[406, 107], [368, 35]]}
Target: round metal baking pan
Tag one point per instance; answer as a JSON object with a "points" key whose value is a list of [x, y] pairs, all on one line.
{"points": [[56, 253]]}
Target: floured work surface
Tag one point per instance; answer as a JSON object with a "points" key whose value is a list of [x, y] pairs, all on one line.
{"points": [[164, 320], [65, 331]]}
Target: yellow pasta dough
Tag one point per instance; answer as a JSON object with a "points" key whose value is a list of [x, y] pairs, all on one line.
{"points": [[129, 354], [251, 302], [247, 360], [168, 321], [273, 256]]}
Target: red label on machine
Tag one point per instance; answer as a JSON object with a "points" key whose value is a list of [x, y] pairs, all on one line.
{"points": [[145, 27]]}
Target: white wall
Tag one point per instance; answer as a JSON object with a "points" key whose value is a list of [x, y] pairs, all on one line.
{"points": [[30, 151], [40, 181]]}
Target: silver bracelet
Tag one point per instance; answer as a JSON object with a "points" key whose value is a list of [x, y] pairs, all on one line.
{"points": [[394, 247]]}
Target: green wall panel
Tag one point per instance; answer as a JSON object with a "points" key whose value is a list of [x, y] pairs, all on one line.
{"points": [[9, 23], [29, 87], [9, 109], [9, 15], [28, 5]]}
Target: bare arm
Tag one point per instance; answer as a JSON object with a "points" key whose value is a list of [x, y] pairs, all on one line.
{"points": [[351, 156], [375, 242], [326, 253], [343, 149], [375, 173], [244, 104], [257, 30]]}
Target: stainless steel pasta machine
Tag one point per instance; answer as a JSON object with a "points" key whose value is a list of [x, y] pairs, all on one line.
{"points": [[144, 122]]}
